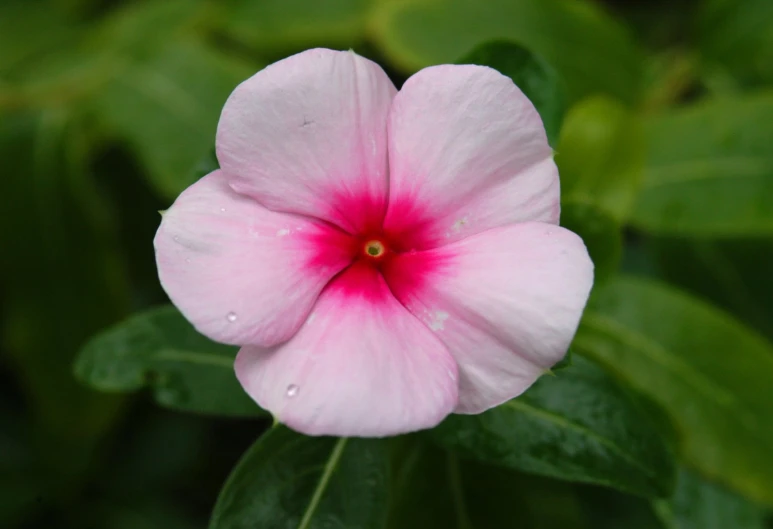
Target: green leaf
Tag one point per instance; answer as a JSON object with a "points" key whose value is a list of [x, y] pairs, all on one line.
{"points": [[26, 31], [77, 66], [287, 480], [601, 160], [578, 426], [609, 509], [136, 29], [435, 489], [600, 232], [698, 504], [734, 274], [710, 170], [272, 25], [168, 106], [709, 373], [738, 36], [535, 77], [600, 156], [61, 281], [591, 51], [161, 350]]}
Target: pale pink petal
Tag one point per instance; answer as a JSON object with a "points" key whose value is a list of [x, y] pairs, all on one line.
{"points": [[307, 135], [467, 152], [505, 302], [240, 273], [362, 365]]}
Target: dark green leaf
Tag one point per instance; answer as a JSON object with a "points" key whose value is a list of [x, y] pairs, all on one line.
{"points": [[609, 509], [590, 50], [738, 35], [578, 425], [599, 231], [709, 373], [435, 489], [535, 77], [60, 277], [698, 504], [161, 350], [287, 480], [735, 274], [710, 170]]}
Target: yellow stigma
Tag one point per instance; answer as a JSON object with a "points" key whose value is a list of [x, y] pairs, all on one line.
{"points": [[374, 248]]}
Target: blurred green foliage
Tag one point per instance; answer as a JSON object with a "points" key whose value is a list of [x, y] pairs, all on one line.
{"points": [[661, 114]]}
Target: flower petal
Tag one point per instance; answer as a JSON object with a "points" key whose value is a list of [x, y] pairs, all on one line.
{"points": [[360, 366], [240, 273], [308, 133], [467, 152], [505, 302]]}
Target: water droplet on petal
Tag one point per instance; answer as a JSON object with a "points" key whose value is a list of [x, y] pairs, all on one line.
{"points": [[292, 390], [222, 210], [231, 316]]}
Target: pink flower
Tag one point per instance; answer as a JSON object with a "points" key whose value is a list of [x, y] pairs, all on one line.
{"points": [[383, 258]]}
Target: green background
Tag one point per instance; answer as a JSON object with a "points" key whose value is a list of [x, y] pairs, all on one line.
{"points": [[116, 414]]}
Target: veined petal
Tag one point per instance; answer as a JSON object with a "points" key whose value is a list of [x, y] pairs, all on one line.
{"points": [[506, 303], [240, 273], [362, 365], [308, 133], [467, 152]]}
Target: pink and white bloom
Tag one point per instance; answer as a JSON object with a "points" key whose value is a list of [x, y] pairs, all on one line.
{"points": [[383, 258]]}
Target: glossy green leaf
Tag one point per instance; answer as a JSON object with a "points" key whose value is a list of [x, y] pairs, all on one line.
{"points": [[273, 25], [738, 35], [287, 480], [591, 51], [710, 170], [578, 425], [535, 77], [168, 106], [161, 350], [435, 489], [709, 373], [698, 504]]}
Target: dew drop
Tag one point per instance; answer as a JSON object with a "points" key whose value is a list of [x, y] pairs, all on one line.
{"points": [[222, 210], [231, 316], [292, 390]]}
